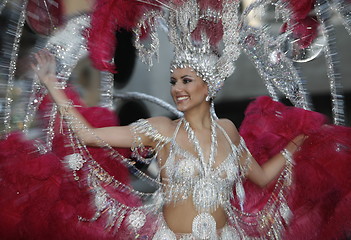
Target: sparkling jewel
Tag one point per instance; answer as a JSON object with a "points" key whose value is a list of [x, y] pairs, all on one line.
{"points": [[205, 195], [100, 200], [136, 220], [204, 226], [75, 161]]}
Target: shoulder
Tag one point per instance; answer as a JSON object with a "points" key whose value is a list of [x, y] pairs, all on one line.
{"points": [[227, 125], [230, 129], [161, 126], [159, 121], [152, 130], [164, 125]]}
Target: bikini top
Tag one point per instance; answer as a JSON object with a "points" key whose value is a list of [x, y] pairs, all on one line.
{"points": [[185, 176]]}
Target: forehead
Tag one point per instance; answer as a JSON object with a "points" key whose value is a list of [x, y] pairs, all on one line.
{"points": [[180, 72]]}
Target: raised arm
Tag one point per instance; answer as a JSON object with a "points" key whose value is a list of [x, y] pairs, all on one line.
{"points": [[114, 136], [263, 174]]}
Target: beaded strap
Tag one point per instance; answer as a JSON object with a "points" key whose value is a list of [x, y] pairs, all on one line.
{"points": [[143, 127], [244, 168]]}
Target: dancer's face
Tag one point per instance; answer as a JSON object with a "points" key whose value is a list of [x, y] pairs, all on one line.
{"points": [[187, 89]]}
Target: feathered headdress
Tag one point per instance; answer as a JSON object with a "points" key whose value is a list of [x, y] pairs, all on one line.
{"points": [[195, 28]]}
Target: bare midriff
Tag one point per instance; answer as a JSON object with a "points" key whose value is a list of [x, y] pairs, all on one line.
{"points": [[179, 216]]}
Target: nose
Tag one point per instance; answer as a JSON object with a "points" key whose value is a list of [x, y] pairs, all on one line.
{"points": [[177, 87]]}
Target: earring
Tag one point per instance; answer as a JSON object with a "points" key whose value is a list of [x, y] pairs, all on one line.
{"points": [[208, 98]]}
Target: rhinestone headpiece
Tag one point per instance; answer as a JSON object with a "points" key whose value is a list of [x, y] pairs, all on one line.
{"points": [[204, 64], [196, 30]]}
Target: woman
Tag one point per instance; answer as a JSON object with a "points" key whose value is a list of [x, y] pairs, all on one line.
{"points": [[204, 156], [202, 159]]}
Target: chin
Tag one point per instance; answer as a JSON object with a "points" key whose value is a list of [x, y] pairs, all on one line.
{"points": [[182, 109]]}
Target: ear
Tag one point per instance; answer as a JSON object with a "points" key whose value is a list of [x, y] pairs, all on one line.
{"points": [[206, 90]]}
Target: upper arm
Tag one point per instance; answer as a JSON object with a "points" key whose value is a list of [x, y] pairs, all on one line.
{"points": [[118, 136], [125, 136]]}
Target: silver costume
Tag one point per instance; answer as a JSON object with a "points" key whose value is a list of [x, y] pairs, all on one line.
{"points": [[210, 185]]}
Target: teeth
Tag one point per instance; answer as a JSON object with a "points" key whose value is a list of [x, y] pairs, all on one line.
{"points": [[181, 98]]}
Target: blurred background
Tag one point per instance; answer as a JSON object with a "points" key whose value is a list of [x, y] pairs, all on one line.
{"points": [[241, 88]]}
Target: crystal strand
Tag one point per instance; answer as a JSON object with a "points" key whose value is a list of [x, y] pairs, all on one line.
{"points": [[126, 161], [148, 20], [283, 10], [112, 212], [51, 125], [341, 7], [324, 16], [194, 140], [120, 217], [106, 90], [35, 99], [231, 51], [116, 184], [240, 191], [13, 59], [2, 5], [214, 144], [115, 210]]}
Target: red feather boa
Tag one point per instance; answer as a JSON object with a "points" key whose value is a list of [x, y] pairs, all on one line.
{"points": [[108, 17], [320, 196], [39, 198]]}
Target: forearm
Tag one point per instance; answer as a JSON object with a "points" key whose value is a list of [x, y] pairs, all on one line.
{"points": [[270, 170], [74, 119]]}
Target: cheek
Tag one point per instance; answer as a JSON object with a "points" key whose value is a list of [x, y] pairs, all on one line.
{"points": [[171, 90]]}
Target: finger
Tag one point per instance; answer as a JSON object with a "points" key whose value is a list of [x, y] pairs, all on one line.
{"points": [[34, 67], [46, 55], [38, 58], [52, 58], [42, 57]]}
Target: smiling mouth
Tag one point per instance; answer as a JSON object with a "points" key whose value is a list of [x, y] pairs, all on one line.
{"points": [[182, 98]]}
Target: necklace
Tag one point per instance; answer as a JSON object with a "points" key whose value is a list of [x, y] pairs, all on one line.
{"points": [[192, 138], [205, 193]]}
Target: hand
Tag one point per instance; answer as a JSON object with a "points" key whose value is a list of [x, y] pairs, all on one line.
{"points": [[45, 67], [296, 143]]}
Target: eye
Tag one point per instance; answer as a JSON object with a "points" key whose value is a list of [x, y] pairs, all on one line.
{"points": [[172, 81], [187, 80]]}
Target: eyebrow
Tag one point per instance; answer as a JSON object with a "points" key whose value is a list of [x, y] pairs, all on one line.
{"points": [[186, 76], [182, 77]]}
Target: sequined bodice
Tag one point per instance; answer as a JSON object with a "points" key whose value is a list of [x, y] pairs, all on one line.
{"points": [[186, 177], [183, 166]]}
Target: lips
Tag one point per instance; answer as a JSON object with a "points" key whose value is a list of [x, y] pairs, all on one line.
{"points": [[182, 98]]}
